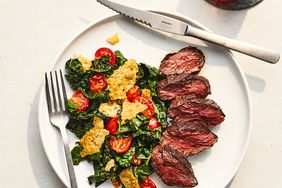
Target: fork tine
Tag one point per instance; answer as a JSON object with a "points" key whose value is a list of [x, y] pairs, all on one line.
{"points": [[63, 88], [58, 92], [53, 93], [47, 91]]}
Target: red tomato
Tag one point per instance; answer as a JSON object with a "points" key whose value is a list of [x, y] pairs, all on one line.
{"points": [[148, 183], [153, 123], [121, 145], [150, 111], [79, 100], [98, 83], [116, 183], [112, 125], [104, 52], [133, 93]]}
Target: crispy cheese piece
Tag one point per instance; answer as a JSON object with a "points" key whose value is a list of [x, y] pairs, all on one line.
{"points": [[146, 93], [86, 63], [98, 123], [128, 179], [110, 108], [113, 39], [122, 80], [110, 165], [93, 139], [130, 110]]}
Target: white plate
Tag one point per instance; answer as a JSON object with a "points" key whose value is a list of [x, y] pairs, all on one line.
{"points": [[214, 167]]}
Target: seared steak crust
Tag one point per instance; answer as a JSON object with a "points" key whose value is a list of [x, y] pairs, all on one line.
{"points": [[189, 108], [188, 60], [170, 88], [189, 138], [172, 167]]}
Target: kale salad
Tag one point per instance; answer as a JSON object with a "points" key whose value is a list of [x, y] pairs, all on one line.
{"points": [[116, 115]]}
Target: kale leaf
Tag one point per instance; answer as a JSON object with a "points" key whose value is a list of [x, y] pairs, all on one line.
{"points": [[102, 96], [101, 64], [74, 66], [78, 127], [160, 111], [120, 59], [100, 176], [125, 160], [133, 124], [81, 115], [142, 171], [75, 74], [143, 153], [75, 153], [100, 160], [148, 77]]}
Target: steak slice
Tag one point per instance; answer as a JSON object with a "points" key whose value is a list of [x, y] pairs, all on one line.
{"points": [[189, 138], [174, 78], [172, 167], [168, 89], [189, 108], [188, 60]]}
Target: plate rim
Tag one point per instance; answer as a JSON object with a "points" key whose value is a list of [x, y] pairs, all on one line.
{"points": [[167, 13]]}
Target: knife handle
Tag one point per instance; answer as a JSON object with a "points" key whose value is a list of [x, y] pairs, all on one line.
{"points": [[258, 52]]}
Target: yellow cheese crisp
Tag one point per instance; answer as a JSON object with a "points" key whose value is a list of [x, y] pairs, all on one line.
{"points": [[130, 110], [110, 165], [113, 39], [94, 138], [146, 93], [122, 80], [98, 123], [86, 63], [110, 109], [128, 179]]}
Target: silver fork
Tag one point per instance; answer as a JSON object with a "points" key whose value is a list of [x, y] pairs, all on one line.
{"points": [[56, 97]]}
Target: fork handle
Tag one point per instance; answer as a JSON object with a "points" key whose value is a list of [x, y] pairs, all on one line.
{"points": [[71, 172], [261, 53]]}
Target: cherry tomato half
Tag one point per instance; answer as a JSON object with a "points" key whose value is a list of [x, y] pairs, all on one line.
{"points": [[153, 123], [98, 83], [148, 183], [112, 125], [150, 111], [121, 145], [104, 52], [133, 93], [80, 100], [116, 183]]}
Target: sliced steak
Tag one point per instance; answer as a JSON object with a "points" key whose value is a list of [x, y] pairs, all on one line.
{"points": [[188, 60], [189, 138], [189, 108], [168, 88], [172, 167], [174, 78]]}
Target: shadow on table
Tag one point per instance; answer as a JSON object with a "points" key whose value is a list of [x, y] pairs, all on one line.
{"points": [[225, 22], [256, 84], [229, 184], [42, 170]]}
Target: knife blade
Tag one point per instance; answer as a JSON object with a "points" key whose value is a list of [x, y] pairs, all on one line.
{"points": [[171, 25], [151, 19]]}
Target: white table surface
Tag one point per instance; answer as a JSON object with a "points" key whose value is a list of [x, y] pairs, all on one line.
{"points": [[33, 32]]}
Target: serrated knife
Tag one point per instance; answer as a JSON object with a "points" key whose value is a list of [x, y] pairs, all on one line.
{"points": [[171, 25]]}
